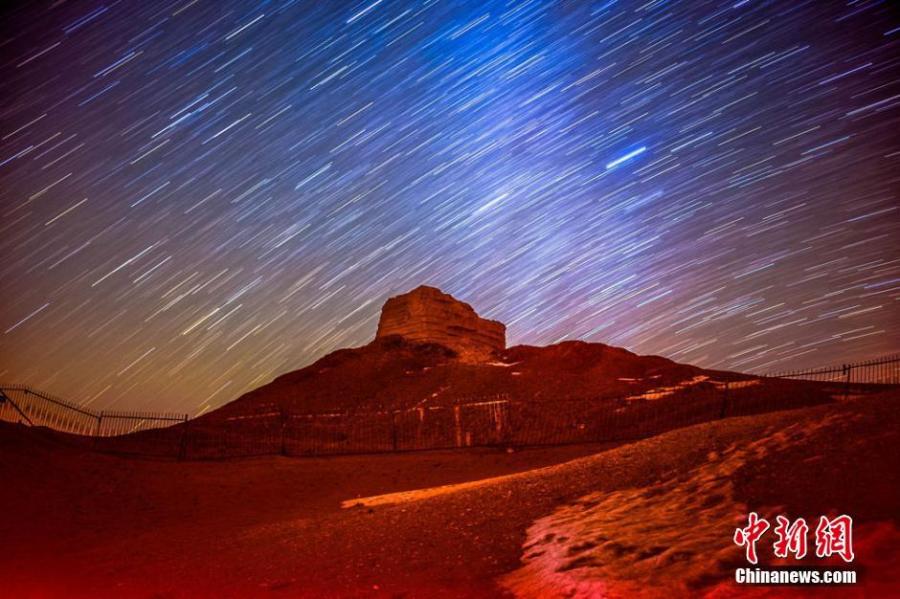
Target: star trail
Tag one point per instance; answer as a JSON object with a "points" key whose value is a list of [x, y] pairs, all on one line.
{"points": [[198, 196]]}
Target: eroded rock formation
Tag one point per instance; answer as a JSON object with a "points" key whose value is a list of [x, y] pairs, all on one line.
{"points": [[426, 314]]}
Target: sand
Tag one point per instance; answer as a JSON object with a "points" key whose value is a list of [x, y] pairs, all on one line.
{"points": [[543, 522]]}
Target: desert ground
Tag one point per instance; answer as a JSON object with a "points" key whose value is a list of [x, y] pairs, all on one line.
{"points": [[645, 519]]}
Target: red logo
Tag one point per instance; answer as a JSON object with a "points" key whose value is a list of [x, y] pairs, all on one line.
{"points": [[832, 536], [835, 537], [747, 537], [791, 537]]}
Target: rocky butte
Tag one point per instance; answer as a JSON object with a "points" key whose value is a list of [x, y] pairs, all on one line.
{"points": [[428, 315]]}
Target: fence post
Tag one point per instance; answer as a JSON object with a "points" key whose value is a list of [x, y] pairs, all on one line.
{"points": [[182, 442], [99, 430], [506, 434], [458, 425], [283, 423], [724, 401], [394, 430], [847, 369]]}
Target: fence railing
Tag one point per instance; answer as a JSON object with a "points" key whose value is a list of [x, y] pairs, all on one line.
{"points": [[20, 403], [498, 420], [884, 371]]}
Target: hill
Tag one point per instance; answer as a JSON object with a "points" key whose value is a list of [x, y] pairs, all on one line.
{"points": [[447, 354], [395, 373]]}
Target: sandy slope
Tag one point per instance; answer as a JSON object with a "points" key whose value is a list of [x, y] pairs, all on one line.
{"points": [[637, 542], [395, 373], [654, 517]]}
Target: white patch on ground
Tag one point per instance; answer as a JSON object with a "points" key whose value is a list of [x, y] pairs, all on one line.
{"points": [[416, 495], [661, 392], [738, 384], [429, 492], [254, 416]]}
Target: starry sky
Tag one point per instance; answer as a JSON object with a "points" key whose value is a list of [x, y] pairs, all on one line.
{"points": [[197, 196]]}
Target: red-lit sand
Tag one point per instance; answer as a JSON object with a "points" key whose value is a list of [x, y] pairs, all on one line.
{"points": [[652, 518]]}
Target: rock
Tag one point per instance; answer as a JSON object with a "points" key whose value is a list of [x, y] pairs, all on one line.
{"points": [[427, 315]]}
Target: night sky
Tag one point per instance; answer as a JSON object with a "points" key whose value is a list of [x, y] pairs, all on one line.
{"points": [[198, 196]]}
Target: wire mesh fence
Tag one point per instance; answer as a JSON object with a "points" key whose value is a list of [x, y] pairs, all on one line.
{"points": [[497, 420]]}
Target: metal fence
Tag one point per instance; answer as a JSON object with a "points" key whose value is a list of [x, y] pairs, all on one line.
{"points": [[883, 371], [498, 420], [19, 403]]}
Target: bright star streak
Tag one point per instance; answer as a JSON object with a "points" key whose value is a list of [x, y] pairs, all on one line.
{"points": [[625, 158]]}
